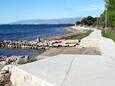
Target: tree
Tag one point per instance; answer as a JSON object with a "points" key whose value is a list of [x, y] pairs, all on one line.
{"points": [[78, 22], [110, 5], [88, 21]]}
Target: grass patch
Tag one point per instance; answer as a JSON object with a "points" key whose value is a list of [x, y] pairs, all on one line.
{"points": [[78, 35], [32, 59], [109, 34], [22, 60]]}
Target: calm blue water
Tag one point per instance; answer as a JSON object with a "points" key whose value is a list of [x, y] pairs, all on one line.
{"points": [[18, 52], [27, 32]]}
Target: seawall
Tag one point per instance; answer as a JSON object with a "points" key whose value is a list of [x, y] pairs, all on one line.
{"points": [[22, 78]]}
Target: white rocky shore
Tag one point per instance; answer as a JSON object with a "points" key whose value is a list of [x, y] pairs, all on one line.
{"points": [[71, 70]]}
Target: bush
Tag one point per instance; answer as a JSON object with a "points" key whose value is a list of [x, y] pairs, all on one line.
{"points": [[32, 59], [22, 60], [109, 34]]}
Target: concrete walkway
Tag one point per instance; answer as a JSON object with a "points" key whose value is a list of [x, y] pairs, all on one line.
{"points": [[106, 45], [71, 70]]}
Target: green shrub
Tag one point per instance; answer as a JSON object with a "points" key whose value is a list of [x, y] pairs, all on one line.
{"points": [[32, 59], [78, 35], [21, 61], [109, 34]]}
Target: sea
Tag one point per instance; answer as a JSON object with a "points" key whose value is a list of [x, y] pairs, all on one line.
{"points": [[28, 32]]}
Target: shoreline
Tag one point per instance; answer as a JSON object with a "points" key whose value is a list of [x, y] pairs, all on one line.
{"points": [[71, 31], [65, 50], [21, 45], [25, 44], [69, 40]]}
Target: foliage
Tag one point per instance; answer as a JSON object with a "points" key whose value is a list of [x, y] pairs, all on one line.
{"points": [[110, 12], [22, 60], [78, 35], [88, 21], [109, 34], [32, 59]]}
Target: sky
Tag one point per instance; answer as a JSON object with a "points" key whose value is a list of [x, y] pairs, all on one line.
{"points": [[15, 10]]}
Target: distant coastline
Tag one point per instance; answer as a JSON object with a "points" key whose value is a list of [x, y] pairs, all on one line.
{"points": [[40, 24], [70, 20]]}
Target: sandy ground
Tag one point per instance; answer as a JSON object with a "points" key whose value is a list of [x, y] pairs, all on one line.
{"points": [[71, 50]]}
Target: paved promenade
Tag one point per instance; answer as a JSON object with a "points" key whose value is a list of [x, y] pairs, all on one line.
{"points": [[106, 45], [71, 70]]}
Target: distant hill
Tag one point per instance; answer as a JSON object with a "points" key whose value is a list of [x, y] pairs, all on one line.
{"points": [[49, 21]]}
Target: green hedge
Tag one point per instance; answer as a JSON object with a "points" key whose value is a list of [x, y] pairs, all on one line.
{"points": [[109, 34]]}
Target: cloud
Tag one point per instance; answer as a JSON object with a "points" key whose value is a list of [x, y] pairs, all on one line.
{"points": [[91, 7]]}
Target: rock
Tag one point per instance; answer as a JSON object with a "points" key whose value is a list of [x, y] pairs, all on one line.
{"points": [[7, 68], [3, 72], [8, 84], [3, 63], [4, 79]]}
